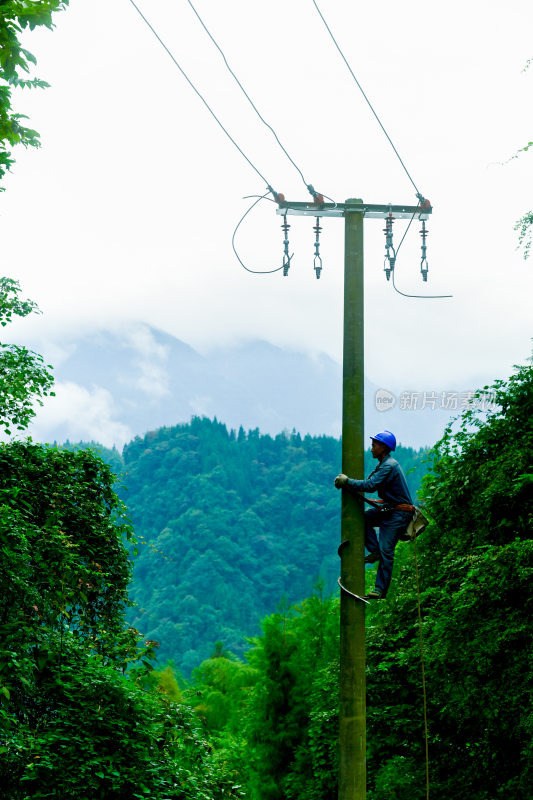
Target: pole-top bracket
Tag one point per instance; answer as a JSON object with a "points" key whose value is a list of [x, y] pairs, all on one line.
{"points": [[370, 210]]}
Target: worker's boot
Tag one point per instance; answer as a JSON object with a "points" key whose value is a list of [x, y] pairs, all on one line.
{"points": [[371, 558]]}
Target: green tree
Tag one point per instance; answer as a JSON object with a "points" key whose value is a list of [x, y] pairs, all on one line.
{"points": [[292, 728], [15, 65], [75, 717], [476, 565], [220, 690], [24, 378]]}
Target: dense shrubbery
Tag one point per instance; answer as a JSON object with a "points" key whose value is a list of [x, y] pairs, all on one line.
{"points": [[476, 570], [73, 721]]}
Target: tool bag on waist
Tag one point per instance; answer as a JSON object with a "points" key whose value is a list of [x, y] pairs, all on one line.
{"points": [[417, 525]]}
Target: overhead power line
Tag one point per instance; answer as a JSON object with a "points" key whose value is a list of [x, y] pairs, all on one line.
{"points": [[420, 197], [243, 90], [204, 101]]}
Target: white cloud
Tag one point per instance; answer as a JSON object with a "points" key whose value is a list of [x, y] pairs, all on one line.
{"points": [[80, 414], [155, 244], [202, 406], [153, 378]]}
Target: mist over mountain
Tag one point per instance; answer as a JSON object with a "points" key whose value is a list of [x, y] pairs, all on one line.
{"points": [[114, 385]]}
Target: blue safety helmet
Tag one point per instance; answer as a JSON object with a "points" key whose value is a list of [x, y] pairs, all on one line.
{"points": [[387, 438]]}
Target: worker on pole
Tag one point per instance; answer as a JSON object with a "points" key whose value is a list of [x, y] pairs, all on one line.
{"points": [[392, 513]]}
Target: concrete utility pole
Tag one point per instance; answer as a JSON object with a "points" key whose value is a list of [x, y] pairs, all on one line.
{"points": [[352, 711], [352, 717]]}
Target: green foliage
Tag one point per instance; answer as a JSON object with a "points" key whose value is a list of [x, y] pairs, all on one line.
{"points": [[67, 534], [167, 683], [76, 719], [229, 522], [475, 565], [110, 455], [524, 227], [63, 564], [221, 687], [24, 378], [292, 730], [100, 736], [16, 62]]}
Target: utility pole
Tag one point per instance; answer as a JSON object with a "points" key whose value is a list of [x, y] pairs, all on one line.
{"points": [[352, 678], [352, 712]]}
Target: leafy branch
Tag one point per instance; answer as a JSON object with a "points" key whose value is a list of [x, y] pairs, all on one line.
{"points": [[15, 63], [24, 377], [524, 226]]}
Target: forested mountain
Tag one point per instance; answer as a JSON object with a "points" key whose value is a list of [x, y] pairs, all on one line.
{"points": [[229, 525]]}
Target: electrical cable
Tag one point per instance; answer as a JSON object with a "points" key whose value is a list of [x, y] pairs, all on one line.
{"points": [[417, 296], [366, 98], [243, 265], [204, 101], [243, 90]]}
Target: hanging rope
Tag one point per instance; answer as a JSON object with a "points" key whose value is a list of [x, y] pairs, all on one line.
{"points": [[423, 671]]}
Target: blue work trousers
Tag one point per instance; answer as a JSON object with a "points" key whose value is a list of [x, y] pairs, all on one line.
{"points": [[391, 525]]}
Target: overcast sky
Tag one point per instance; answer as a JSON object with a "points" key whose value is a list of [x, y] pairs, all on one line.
{"points": [[126, 212]]}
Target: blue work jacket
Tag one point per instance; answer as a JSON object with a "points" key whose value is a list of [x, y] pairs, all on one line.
{"points": [[388, 480]]}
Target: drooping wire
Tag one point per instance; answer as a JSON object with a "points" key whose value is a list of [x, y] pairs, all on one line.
{"points": [[243, 265], [366, 98], [418, 296], [243, 90], [204, 101]]}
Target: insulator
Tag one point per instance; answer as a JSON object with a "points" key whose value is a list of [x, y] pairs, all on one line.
{"points": [[286, 257], [424, 266], [318, 199], [390, 253], [317, 263]]}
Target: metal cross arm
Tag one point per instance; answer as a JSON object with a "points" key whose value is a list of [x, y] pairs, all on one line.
{"points": [[370, 210]]}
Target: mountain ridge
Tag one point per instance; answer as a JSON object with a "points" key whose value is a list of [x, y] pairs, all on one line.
{"points": [[114, 385]]}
